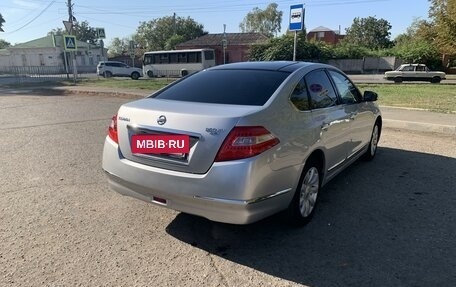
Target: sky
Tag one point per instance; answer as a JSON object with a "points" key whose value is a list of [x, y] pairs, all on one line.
{"points": [[26, 20]]}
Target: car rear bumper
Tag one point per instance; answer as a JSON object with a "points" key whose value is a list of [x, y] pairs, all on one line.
{"points": [[230, 192]]}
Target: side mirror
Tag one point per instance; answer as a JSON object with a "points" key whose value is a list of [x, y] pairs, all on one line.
{"points": [[370, 96]]}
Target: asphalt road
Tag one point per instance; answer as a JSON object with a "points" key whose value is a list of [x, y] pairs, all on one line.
{"points": [[390, 222]]}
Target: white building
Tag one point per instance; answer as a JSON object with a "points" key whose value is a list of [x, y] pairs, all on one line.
{"points": [[49, 52]]}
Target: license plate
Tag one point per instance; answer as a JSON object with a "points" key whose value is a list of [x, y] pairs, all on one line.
{"points": [[174, 145]]}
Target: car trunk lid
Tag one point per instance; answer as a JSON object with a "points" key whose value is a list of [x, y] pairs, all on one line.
{"points": [[207, 125]]}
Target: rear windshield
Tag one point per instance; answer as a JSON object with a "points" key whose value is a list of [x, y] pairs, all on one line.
{"points": [[234, 87]]}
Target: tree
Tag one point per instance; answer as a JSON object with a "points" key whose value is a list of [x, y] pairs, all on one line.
{"points": [[166, 32], [369, 32], [4, 44], [263, 21], [1, 23], [118, 47], [416, 45], [443, 16], [82, 31], [85, 33]]}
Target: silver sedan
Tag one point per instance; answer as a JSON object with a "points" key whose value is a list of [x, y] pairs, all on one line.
{"points": [[239, 142]]}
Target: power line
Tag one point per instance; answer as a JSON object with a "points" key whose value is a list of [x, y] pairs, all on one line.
{"points": [[29, 22]]}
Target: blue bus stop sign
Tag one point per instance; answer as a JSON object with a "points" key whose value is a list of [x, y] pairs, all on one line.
{"points": [[296, 17]]}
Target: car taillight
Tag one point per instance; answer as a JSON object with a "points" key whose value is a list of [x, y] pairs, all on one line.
{"points": [[112, 130], [244, 142]]}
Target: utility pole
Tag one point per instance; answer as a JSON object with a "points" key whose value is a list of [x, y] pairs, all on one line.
{"points": [[70, 15], [174, 24], [71, 19], [224, 43]]}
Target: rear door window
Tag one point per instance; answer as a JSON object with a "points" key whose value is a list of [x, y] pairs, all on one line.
{"points": [[235, 87], [322, 94]]}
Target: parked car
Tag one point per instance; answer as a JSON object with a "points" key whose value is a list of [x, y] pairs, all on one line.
{"points": [[414, 72], [109, 69], [261, 137]]}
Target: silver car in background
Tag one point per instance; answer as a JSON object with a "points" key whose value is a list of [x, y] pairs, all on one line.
{"points": [[264, 137]]}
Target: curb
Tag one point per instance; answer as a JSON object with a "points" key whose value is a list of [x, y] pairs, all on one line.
{"points": [[421, 127]]}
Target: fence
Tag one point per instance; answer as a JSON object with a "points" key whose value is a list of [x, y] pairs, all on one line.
{"points": [[368, 65], [37, 74]]}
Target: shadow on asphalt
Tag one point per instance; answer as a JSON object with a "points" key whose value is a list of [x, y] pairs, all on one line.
{"points": [[390, 222], [36, 91]]}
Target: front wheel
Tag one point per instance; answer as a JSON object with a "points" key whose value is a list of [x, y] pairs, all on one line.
{"points": [[135, 75], [398, 80], [373, 144], [435, 80], [302, 207]]}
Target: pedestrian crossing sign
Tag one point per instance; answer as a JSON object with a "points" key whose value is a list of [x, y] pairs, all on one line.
{"points": [[69, 42]]}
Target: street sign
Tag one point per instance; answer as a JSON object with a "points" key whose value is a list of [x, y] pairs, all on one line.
{"points": [[68, 26], [69, 42], [296, 17], [101, 33]]}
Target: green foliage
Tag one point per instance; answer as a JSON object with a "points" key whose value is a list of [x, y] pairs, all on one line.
{"points": [[281, 48], [166, 32], [82, 31], [267, 22], [416, 45], [173, 41], [85, 33], [418, 51], [347, 50], [4, 44], [369, 32], [118, 47], [57, 31], [443, 16], [2, 20]]}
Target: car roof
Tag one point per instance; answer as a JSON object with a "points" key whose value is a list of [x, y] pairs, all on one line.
{"points": [[403, 65], [286, 66], [104, 62]]}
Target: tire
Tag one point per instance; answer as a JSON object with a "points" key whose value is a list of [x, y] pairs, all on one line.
{"points": [[150, 74], [398, 80], [302, 207], [107, 74], [135, 75], [373, 144], [435, 80], [184, 73]]}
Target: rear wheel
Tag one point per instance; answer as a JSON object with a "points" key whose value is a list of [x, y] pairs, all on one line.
{"points": [[184, 73], [302, 207], [135, 75], [398, 80], [150, 74], [373, 144], [107, 74]]}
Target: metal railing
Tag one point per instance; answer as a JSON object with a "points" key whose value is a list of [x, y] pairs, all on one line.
{"points": [[38, 74]]}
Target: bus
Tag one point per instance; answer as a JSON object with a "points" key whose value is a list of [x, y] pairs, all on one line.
{"points": [[177, 63]]}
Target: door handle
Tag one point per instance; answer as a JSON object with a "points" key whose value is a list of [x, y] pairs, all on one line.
{"points": [[325, 127]]}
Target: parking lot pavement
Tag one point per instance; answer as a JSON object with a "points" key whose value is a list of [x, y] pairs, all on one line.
{"points": [[383, 223], [388, 222]]}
